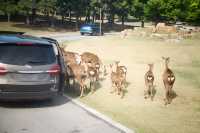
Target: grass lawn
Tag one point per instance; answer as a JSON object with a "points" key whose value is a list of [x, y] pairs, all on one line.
{"points": [[145, 116]]}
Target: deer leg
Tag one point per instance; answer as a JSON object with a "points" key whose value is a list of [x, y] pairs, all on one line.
{"points": [[145, 94], [167, 97], [92, 85], [81, 90], [170, 95], [82, 86], [113, 87], [121, 90], [118, 89], [151, 88]]}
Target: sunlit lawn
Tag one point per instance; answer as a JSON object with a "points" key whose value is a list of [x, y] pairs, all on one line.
{"points": [[144, 116]]}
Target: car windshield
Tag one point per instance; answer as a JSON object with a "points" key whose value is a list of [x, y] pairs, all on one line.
{"points": [[30, 54]]}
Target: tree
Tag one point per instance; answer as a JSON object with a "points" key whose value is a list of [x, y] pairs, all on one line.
{"points": [[137, 10], [122, 8], [48, 7], [154, 10], [194, 12], [8, 7], [25, 6]]}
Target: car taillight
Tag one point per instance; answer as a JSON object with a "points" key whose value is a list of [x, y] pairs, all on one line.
{"points": [[24, 44], [3, 71], [54, 70]]}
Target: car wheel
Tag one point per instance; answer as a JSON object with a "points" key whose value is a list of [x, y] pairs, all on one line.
{"points": [[82, 34]]}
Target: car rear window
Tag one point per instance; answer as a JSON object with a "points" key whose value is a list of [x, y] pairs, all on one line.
{"points": [[27, 54]]}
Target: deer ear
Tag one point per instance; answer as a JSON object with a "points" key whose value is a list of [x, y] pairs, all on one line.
{"points": [[163, 58]]}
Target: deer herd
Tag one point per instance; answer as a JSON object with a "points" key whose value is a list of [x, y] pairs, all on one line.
{"points": [[88, 66]]}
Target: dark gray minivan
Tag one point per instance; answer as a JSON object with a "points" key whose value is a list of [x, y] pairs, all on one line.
{"points": [[30, 67]]}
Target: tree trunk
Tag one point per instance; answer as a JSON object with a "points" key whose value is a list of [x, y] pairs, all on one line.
{"points": [[33, 11], [70, 16], [63, 17], [112, 18], [52, 20], [102, 18], [123, 22], [77, 22], [27, 18], [8, 16], [142, 23], [93, 17]]}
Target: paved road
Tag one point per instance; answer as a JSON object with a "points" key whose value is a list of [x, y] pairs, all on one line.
{"points": [[56, 116], [62, 37]]}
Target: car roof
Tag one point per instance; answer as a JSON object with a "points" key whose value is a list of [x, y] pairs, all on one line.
{"points": [[12, 38], [89, 25]]}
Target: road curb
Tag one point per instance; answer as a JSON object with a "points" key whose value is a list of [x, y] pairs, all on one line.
{"points": [[97, 114]]}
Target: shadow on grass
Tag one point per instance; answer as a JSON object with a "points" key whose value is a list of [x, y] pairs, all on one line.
{"points": [[74, 91]]}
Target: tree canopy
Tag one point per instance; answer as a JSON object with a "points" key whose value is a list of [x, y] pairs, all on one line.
{"points": [[153, 10]]}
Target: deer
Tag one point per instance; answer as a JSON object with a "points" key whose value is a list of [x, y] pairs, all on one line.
{"points": [[117, 80], [168, 80], [122, 70], [79, 72], [149, 79], [92, 76], [71, 58], [92, 60]]}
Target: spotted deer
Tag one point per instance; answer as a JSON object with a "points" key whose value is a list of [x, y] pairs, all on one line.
{"points": [[116, 80], [149, 79], [79, 72], [92, 60], [122, 70], [168, 80]]}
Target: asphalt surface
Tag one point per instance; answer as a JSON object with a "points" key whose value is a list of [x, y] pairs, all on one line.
{"points": [[62, 37], [59, 115]]}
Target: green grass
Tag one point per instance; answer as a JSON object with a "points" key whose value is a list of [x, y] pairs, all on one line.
{"points": [[144, 116]]}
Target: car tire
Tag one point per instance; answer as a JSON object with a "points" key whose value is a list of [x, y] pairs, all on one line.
{"points": [[82, 34]]}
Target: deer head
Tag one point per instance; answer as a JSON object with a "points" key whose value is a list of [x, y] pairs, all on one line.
{"points": [[167, 60], [151, 66]]}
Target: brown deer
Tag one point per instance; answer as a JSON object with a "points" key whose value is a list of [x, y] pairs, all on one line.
{"points": [[92, 76], [92, 60], [79, 72], [149, 79], [168, 80], [122, 70], [117, 80]]}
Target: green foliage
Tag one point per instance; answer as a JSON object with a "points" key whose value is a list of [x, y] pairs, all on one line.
{"points": [[194, 11], [47, 6], [154, 10], [25, 6], [8, 6]]}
